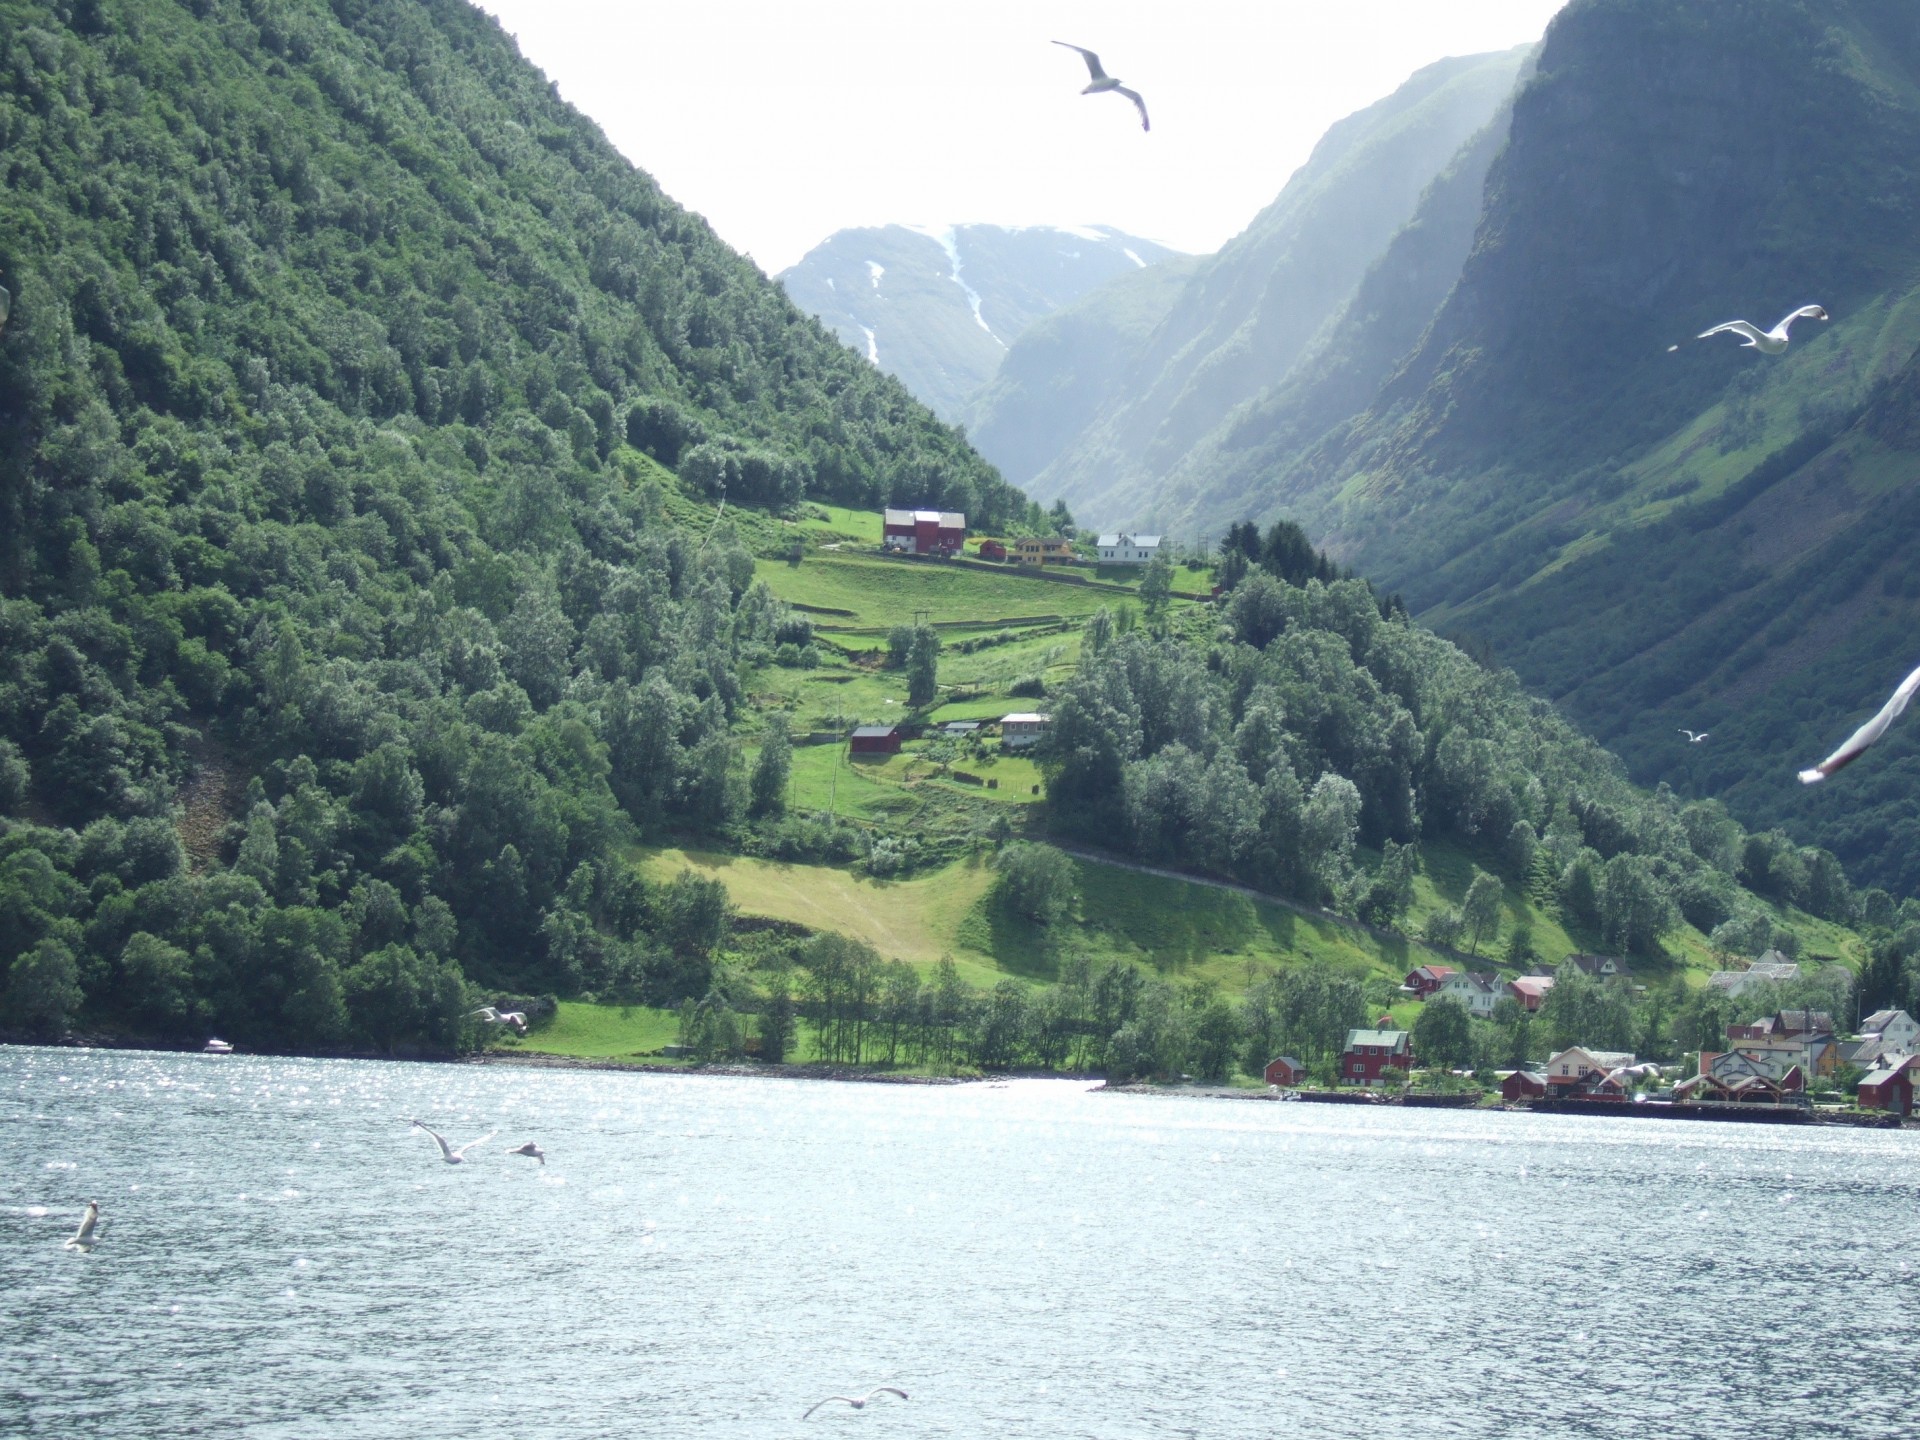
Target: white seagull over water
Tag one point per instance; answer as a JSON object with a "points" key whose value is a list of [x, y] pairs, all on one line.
{"points": [[861, 1402], [1862, 739], [1692, 738], [516, 1018], [530, 1150], [1103, 82], [1767, 342], [83, 1237], [447, 1152]]}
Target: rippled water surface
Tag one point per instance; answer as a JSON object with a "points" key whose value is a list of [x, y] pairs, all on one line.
{"points": [[279, 1256]]}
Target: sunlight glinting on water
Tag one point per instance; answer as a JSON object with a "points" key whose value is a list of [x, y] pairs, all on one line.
{"points": [[280, 1253]]}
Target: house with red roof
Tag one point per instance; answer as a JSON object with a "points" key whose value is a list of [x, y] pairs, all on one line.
{"points": [[1427, 979]]}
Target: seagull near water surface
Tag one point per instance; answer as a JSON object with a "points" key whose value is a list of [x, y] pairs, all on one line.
{"points": [[447, 1152], [531, 1150], [83, 1237], [1103, 82], [1767, 342], [858, 1403]]}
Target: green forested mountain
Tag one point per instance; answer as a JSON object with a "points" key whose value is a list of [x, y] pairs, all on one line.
{"points": [[938, 308], [1249, 317], [341, 362], [1714, 538]]}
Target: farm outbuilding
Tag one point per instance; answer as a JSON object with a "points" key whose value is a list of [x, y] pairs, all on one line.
{"points": [[1523, 1085], [875, 740], [924, 532], [1285, 1070]]}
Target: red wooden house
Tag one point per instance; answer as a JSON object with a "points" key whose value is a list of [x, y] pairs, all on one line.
{"points": [[1890, 1087], [1285, 1070], [992, 550], [1523, 1085], [1369, 1052], [1427, 979]]}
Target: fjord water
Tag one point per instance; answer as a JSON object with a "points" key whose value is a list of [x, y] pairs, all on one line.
{"points": [[279, 1256]]}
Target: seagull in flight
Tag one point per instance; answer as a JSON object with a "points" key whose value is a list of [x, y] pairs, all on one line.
{"points": [[531, 1150], [1767, 342], [1692, 738], [1862, 739], [488, 1015], [861, 1402], [1104, 82], [83, 1237], [447, 1152]]}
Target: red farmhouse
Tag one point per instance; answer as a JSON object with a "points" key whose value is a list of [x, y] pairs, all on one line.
{"points": [[1369, 1052], [1427, 979], [924, 532], [875, 740]]}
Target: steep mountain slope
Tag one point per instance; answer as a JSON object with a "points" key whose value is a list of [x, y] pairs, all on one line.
{"points": [[331, 327], [1250, 314], [939, 309], [1711, 538]]}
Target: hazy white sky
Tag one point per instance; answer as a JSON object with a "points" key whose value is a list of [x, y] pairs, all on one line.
{"points": [[782, 121]]}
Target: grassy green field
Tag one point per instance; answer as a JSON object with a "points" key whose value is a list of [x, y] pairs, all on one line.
{"points": [[603, 1032], [1180, 929], [879, 592]]}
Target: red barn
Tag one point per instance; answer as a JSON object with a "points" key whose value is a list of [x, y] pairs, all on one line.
{"points": [[1889, 1087], [924, 532], [1285, 1070], [992, 550], [1523, 1085], [875, 740], [1369, 1052]]}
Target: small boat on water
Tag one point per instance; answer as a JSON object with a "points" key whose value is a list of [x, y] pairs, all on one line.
{"points": [[216, 1047]]}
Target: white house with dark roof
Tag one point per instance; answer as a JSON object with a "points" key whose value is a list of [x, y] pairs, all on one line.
{"points": [[1126, 549], [1477, 994], [1896, 1030]]}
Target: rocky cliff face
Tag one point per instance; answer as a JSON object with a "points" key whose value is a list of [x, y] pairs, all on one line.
{"points": [[1246, 318], [938, 308]]}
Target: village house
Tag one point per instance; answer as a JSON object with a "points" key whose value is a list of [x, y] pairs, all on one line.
{"points": [[1776, 1052], [1600, 967], [1427, 979], [1784, 1025], [1370, 1052], [1898, 1030], [874, 740], [992, 550], [1127, 549], [923, 532], [1017, 732], [1771, 967], [1890, 1086], [1530, 991], [1040, 550], [1477, 994], [1523, 1085], [1285, 1070], [1577, 1070], [1727, 1071]]}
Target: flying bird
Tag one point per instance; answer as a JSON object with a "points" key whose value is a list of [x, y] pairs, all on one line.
{"points": [[447, 1152], [83, 1237], [1862, 739], [531, 1150], [1103, 82], [1767, 342], [488, 1015], [861, 1402], [1693, 739]]}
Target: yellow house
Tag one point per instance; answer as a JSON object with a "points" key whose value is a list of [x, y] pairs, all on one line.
{"points": [[1039, 552]]}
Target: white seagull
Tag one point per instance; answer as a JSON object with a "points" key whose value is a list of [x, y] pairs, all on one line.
{"points": [[861, 1402], [447, 1152], [1103, 82], [531, 1150], [1767, 342], [516, 1018], [83, 1237], [1693, 739], [1863, 738]]}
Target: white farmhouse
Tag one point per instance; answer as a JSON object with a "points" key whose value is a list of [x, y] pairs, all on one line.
{"points": [[1019, 731], [1476, 994], [1127, 549]]}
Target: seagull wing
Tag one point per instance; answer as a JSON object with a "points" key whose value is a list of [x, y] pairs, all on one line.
{"points": [[87, 1222], [462, 1151], [848, 1399], [1863, 738], [886, 1390], [1752, 332], [1093, 69], [1805, 312], [1687, 733], [438, 1140], [1139, 104]]}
